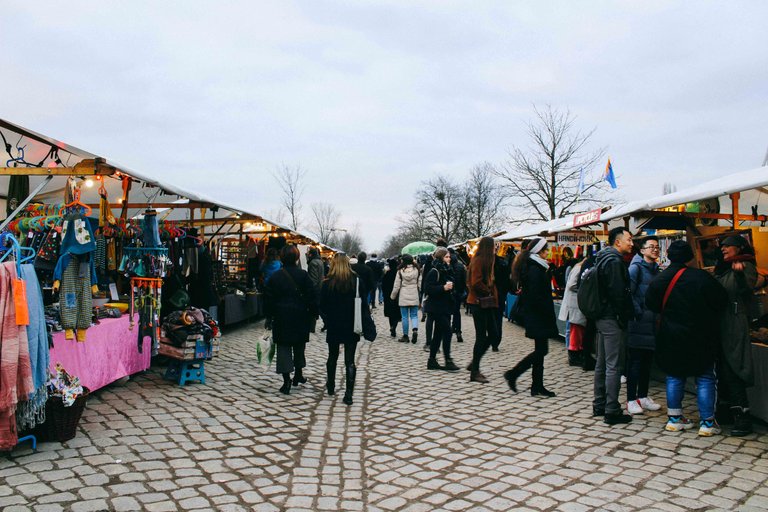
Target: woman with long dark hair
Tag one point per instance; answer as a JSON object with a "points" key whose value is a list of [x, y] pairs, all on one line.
{"points": [[337, 307], [737, 273], [481, 284], [291, 307], [531, 272]]}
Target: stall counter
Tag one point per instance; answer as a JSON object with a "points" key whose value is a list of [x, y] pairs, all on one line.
{"points": [[109, 353]]}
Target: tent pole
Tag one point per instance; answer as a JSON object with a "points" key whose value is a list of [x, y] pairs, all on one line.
{"points": [[735, 208], [25, 202]]}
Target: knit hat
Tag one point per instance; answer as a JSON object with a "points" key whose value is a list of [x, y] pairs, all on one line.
{"points": [[680, 252], [735, 240], [440, 253]]}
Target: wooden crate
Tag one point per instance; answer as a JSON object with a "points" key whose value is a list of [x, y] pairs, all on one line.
{"points": [[193, 348]]}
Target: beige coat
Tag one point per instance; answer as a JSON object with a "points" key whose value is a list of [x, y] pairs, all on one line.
{"points": [[407, 284]]}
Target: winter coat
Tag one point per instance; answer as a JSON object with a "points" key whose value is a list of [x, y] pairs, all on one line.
{"points": [[688, 338], [391, 309], [459, 279], [316, 272], [569, 311], [641, 329], [377, 267], [366, 274], [269, 268], [614, 286], [439, 301], [734, 328], [407, 284], [290, 301], [537, 307], [338, 312], [479, 288]]}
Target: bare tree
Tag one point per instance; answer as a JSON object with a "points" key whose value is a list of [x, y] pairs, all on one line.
{"points": [[440, 209], [543, 179], [484, 202], [326, 218], [350, 242], [291, 183]]}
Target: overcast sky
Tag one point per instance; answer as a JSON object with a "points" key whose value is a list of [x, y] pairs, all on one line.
{"points": [[373, 97]]}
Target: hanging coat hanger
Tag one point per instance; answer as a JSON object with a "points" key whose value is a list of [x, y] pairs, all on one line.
{"points": [[76, 203]]}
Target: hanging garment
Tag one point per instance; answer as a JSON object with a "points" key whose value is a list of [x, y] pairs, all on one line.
{"points": [[76, 301], [16, 383], [18, 190], [111, 254], [32, 412]]}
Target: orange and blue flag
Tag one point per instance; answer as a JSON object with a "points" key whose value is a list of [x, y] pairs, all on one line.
{"points": [[608, 175]]}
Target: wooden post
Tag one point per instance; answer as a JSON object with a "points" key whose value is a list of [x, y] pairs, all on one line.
{"points": [[735, 206]]}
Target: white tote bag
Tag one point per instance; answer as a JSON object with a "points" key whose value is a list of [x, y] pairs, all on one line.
{"points": [[358, 327]]}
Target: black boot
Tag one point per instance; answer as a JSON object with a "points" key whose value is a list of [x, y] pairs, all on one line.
{"points": [[511, 377], [392, 332], [432, 364], [330, 383], [742, 422], [575, 358], [459, 337], [537, 376], [299, 378], [414, 336], [351, 373], [286, 387], [450, 365]]}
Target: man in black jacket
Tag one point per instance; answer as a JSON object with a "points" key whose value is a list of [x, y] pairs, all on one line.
{"points": [[364, 272], [617, 310], [377, 267]]}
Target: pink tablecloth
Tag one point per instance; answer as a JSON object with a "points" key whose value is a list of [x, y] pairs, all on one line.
{"points": [[110, 352]]}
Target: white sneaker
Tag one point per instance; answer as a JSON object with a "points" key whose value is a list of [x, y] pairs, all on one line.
{"points": [[623, 379], [648, 404], [634, 407]]}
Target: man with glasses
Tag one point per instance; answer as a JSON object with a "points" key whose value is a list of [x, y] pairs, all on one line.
{"points": [[615, 314], [641, 339]]}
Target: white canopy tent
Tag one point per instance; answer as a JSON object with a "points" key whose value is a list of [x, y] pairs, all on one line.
{"points": [[751, 185]]}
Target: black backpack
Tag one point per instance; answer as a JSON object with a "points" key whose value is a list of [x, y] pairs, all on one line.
{"points": [[588, 295]]}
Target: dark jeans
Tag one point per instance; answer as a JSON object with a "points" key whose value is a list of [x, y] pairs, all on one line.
{"points": [[734, 389], [429, 328], [349, 354], [456, 319], [535, 361], [495, 342], [441, 333], [290, 356], [485, 333], [639, 362]]}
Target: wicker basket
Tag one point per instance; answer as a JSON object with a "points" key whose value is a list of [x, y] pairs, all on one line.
{"points": [[60, 421]]}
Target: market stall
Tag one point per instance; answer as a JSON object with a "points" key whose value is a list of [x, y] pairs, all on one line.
{"points": [[100, 259], [702, 215]]}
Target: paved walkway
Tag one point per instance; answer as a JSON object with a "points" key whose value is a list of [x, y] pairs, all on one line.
{"points": [[414, 440]]}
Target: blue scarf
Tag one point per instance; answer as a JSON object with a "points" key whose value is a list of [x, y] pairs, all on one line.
{"points": [[32, 412]]}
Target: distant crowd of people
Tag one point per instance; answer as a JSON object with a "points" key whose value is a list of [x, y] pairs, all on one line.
{"points": [[693, 324]]}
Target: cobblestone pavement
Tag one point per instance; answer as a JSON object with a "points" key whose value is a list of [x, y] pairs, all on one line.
{"points": [[413, 440]]}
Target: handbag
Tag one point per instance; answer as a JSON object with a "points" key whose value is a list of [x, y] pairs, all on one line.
{"points": [[364, 324], [358, 325], [487, 302]]}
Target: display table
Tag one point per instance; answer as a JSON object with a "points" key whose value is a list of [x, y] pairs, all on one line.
{"points": [[110, 352], [238, 308], [758, 394]]}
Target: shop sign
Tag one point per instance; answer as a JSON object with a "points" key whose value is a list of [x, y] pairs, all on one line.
{"points": [[586, 218], [574, 238]]}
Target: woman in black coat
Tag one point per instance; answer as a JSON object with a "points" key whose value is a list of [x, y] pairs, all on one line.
{"points": [[532, 273], [337, 307], [439, 306], [291, 307], [391, 309]]}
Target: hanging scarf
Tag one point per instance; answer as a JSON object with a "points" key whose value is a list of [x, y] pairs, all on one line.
{"points": [[32, 412], [15, 371]]}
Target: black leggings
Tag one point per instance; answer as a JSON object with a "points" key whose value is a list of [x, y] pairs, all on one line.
{"points": [[535, 360], [349, 353], [485, 333], [441, 334], [639, 362]]}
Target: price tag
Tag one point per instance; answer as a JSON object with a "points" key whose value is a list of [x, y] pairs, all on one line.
{"points": [[30, 234]]}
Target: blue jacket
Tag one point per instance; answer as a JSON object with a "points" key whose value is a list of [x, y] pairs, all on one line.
{"points": [[641, 330]]}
